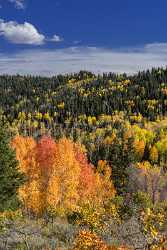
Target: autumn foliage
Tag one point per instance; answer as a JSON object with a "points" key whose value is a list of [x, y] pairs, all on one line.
{"points": [[86, 240], [59, 177]]}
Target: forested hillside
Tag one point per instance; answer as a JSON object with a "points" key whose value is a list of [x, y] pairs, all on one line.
{"points": [[91, 169], [65, 98]]}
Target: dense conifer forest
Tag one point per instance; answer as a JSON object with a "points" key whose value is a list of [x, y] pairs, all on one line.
{"points": [[88, 155]]}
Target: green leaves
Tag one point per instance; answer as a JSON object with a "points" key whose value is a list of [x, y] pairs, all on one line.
{"points": [[10, 177]]}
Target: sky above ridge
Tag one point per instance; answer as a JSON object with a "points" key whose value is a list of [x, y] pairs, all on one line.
{"points": [[48, 37]]}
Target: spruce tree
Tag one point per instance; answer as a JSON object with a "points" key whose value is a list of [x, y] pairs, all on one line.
{"points": [[10, 177]]}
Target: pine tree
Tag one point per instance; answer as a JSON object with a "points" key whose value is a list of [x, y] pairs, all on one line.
{"points": [[10, 177]]}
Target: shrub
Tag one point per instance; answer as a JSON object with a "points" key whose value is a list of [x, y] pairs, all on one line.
{"points": [[89, 241]]}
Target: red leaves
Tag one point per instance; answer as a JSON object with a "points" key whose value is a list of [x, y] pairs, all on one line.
{"points": [[45, 152], [60, 178], [87, 176]]}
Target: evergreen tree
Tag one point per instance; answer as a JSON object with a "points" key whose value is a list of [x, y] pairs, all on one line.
{"points": [[122, 156], [10, 177]]}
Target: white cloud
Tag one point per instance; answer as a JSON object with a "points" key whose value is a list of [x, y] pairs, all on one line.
{"points": [[73, 59], [156, 47], [56, 38], [24, 33], [19, 4]]}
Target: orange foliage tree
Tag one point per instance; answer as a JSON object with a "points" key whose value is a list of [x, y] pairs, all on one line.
{"points": [[66, 171], [25, 152], [45, 153], [59, 177]]}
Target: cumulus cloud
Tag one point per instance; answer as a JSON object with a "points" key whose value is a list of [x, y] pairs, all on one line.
{"points": [[56, 38], [73, 59], [24, 33], [19, 4]]}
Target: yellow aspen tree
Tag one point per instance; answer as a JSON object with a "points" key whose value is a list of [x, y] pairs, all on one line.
{"points": [[66, 171], [139, 146], [154, 154]]}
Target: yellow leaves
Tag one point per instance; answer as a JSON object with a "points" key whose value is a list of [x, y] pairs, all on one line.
{"points": [[10, 215], [94, 120], [29, 116], [71, 81], [99, 132], [52, 183], [102, 166], [91, 120], [59, 178], [162, 146], [82, 118], [23, 146], [53, 192], [61, 105], [104, 183], [90, 215], [154, 232], [145, 166], [38, 116], [110, 82], [67, 171], [152, 102], [88, 241], [86, 94], [126, 82], [31, 197], [105, 118], [47, 116], [143, 134], [29, 193], [35, 124], [130, 103], [21, 116], [139, 147], [148, 211], [136, 118], [108, 140], [153, 154], [152, 222]]}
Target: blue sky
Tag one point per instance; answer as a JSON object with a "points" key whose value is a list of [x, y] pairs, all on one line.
{"points": [[48, 37]]}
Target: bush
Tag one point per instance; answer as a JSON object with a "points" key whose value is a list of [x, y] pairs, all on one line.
{"points": [[89, 241], [142, 200], [88, 216]]}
